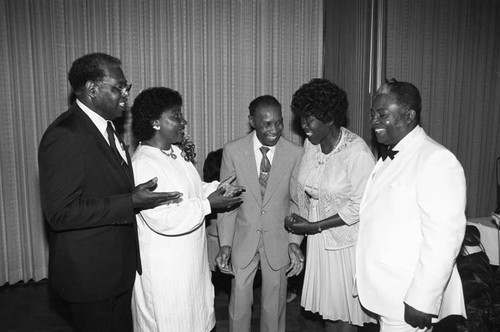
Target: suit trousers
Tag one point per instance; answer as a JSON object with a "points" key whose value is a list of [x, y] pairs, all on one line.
{"points": [[110, 315], [392, 325], [273, 296]]}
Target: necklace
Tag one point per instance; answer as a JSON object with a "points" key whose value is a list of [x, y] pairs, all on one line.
{"points": [[323, 157], [170, 153]]}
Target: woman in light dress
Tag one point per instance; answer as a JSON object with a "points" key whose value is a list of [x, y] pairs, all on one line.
{"points": [[174, 292], [332, 178]]}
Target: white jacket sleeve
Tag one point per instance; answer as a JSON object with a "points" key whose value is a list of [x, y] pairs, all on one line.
{"points": [[441, 198]]}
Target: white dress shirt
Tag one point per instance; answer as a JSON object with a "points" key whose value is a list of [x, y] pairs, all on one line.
{"points": [[101, 125], [258, 154]]}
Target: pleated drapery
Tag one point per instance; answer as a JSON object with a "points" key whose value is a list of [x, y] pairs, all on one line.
{"points": [[451, 51], [218, 54], [348, 27]]}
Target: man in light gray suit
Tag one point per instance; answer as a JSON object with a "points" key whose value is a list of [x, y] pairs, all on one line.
{"points": [[267, 165]]}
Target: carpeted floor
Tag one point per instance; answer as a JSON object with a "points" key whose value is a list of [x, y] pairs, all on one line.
{"points": [[30, 307]]}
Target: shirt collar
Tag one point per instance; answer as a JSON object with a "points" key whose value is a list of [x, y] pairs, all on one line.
{"points": [[257, 144], [408, 138], [100, 122]]}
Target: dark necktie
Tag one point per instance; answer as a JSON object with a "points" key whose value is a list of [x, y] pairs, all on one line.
{"points": [[387, 151], [112, 144], [265, 168]]}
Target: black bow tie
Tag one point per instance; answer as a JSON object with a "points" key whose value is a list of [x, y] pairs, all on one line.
{"points": [[387, 152]]}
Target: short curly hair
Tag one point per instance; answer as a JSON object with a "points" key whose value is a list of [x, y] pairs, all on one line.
{"points": [[90, 67], [262, 101], [322, 99], [406, 94], [149, 106]]}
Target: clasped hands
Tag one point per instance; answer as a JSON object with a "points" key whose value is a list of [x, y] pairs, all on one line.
{"points": [[226, 196], [298, 225]]}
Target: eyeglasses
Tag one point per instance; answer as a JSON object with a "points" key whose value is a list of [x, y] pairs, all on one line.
{"points": [[125, 91]]}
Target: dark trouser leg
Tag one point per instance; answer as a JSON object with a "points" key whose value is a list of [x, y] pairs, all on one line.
{"points": [[110, 315]]}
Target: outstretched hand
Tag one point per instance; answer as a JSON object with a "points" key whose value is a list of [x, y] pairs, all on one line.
{"points": [[143, 196], [298, 225], [417, 318], [218, 199], [229, 189]]}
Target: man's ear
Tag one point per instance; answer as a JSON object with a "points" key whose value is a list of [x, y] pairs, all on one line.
{"points": [[250, 120], [410, 116], [91, 89]]}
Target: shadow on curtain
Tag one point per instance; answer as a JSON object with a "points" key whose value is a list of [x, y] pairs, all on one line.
{"points": [[451, 51]]}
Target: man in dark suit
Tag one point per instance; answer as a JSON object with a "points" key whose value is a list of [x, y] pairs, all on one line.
{"points": [[254, 235], [89, 199]]}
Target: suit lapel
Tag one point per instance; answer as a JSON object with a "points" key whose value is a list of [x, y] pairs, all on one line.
{"points": [[251, 174], [102, 144], [380, 176], [128, 166], [384, 174], [369, 183], [277, 170]]}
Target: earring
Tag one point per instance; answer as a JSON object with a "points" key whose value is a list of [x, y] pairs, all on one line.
{"points": [[156, 127]]}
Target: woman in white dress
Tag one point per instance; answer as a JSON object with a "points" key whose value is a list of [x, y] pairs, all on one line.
{"points": [[332, 176], [174, 292]]}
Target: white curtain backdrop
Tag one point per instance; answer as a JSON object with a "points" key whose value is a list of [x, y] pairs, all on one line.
{"points": [[219, 54]]}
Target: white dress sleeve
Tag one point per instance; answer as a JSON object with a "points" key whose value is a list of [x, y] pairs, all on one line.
{"points": [[360, 166], [182, 215]]}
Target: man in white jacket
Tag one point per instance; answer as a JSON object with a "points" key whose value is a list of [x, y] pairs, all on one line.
{"points": [[412, 219]]}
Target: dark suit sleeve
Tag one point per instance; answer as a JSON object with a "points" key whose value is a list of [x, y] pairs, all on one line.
{"points": [[68, 201]]}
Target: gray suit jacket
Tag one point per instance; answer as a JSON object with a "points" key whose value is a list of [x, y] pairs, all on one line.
{"points": [[242, 228]]}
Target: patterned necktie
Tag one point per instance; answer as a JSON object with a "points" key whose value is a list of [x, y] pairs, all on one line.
{"points": [[111, 138], [265, 168]]}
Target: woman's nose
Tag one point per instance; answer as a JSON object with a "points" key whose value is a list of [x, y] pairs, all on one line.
{"points": [[303, 123]]}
